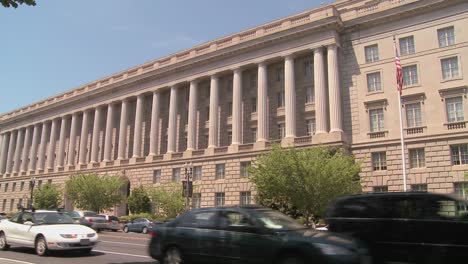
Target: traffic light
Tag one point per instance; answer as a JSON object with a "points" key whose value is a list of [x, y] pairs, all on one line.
{"points": [[184, 188]]}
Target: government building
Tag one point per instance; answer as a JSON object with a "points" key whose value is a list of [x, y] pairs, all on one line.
{"points": [[324, 77]]}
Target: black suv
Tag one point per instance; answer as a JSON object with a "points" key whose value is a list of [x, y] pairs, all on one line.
{"points": [[414, 227]]}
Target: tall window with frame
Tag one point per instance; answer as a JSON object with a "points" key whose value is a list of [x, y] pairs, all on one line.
{"points": [[446, 36], [310, 94], [280, 96], [244, 168], [407, 45], [229, 109], [308, 67], [379, 161], [253, 132], [371, 53], [376, 117], [279, 74], [374, 82], [176, 174], [461, 188], [417, 158], [253, 80], [196, 200], [220, 171], [229, 137], [410, 75], [253, 103], [455, 112], [197, 173], [156, 176], [310, 126], [413, 115], [219, 199], [12, 203], [245, 198], [281, 131], [459, 154], [13, 187], [207, 113], [449, 68]]}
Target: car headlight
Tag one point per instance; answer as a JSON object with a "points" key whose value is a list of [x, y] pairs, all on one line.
{"points": [[328, 249], [91, 235], [69, 235]]}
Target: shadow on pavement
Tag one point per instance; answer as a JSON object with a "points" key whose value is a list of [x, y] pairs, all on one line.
{"points": [[62, 254]]}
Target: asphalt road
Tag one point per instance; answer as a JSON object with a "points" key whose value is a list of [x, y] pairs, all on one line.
{"points": [[114, 247]]}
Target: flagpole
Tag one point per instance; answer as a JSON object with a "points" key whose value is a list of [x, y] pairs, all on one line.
{"points": [[402, 138]]}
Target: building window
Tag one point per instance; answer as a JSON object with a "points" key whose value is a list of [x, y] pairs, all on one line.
{"points": [[459, 154], [253, 132], [207, 139], [253, 81], [413, 115], [13, 187], [417, 158], [454, 109], [207, 113], [379, 161], [376, 120], [419, 187], [22, 186], [244, 168], [12, 203], [281, 131], [197, 173], [219, 199], [374, 82], [196, 200], [20, 201], [229, 137], [6, 187], [449, 68], [49, 181], [446, 36], [310, 94], [220, 171], [380, 189], [279, 74], [310, 126], [4, 205], [176, 174], [229, 110], [372, 53], [280, 96], [410, 75], [156, 176], [245, 198], [308, 68], [461, 188], [254, 104], [407, 45]]}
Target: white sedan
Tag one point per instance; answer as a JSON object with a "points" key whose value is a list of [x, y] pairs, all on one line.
{"points": [[44, 231]]}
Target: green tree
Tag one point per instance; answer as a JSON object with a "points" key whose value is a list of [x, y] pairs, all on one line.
{"points": [[168, 200], [139, 201], [95, 192], [304, 181], [15, 3], [47, 197]]}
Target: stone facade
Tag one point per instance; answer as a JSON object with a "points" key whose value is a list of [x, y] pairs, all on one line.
{"points": [[321, 77]]}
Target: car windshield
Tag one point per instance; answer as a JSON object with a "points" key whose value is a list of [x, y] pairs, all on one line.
{"points": [[52, 218], [73, 214], [276, 220]]}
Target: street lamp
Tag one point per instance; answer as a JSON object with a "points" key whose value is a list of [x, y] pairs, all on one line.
{"points": [[32, 182], [187, 184]]}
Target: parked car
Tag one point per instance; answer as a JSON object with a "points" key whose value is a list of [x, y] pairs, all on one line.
{"points": [[411, 227], [98, 223], [78, 219], [3, 216], [248, 234], [45, 231], [112, 222], [142, 225]]}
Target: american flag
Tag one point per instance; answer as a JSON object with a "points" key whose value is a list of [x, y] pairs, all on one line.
{"points": [[399, 73]]}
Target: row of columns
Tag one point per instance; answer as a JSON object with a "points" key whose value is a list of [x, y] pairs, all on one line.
{"points": [[12, 142]]}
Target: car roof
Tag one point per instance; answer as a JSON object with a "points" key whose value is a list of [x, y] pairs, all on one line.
{"points": [[244, 207], [398, 194]]}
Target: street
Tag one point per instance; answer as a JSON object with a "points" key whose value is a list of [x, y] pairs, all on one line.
{"points": [[114, 247]]}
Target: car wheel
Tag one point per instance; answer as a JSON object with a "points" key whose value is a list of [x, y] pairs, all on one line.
{"points": [[173, 256], [125, 229], [41, 246], [3, 242], [291, 259], [145, 230]]}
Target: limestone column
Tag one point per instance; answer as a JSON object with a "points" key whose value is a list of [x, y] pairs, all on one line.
{"points": [[262, 103], [42, 147], [172, 133], [321, 92], [237, 107], [61, 149], [3, 154], [27, 143], [192, 116], [96, 132], [53, 139], [138, 124], [84, 137], [109, 127], [290, 97], [19, 146], [11, 151], [72, 144], [154, 125], [214, 103], [334, 90], [123, 129], [34, 145]]}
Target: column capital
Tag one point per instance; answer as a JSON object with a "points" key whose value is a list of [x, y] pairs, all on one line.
{"points": [[262, 63], [214, 76], [333, 46], [194, 81], [318, 49], [289, 56], [237, 70]]}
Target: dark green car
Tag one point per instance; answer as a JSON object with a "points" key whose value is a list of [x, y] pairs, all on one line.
{"points": [[248, 234]]}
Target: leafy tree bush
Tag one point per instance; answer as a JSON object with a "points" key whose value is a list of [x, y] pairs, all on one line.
{"points": [[15, 3], [95, 192], [168, 200], [139, 201], [48, 196]]}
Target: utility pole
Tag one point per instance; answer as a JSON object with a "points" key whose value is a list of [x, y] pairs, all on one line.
{"points": [[32, 182], [187, 184]]}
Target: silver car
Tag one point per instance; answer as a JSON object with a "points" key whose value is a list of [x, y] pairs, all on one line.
{"points": [[98, 223], [112, 222]]}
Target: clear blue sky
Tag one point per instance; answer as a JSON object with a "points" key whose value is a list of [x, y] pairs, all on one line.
{"points": [[59, 45]]}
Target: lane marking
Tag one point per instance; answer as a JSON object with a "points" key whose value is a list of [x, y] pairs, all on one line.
{"points": [[118, 253], [17, 261], [112, 242]]}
